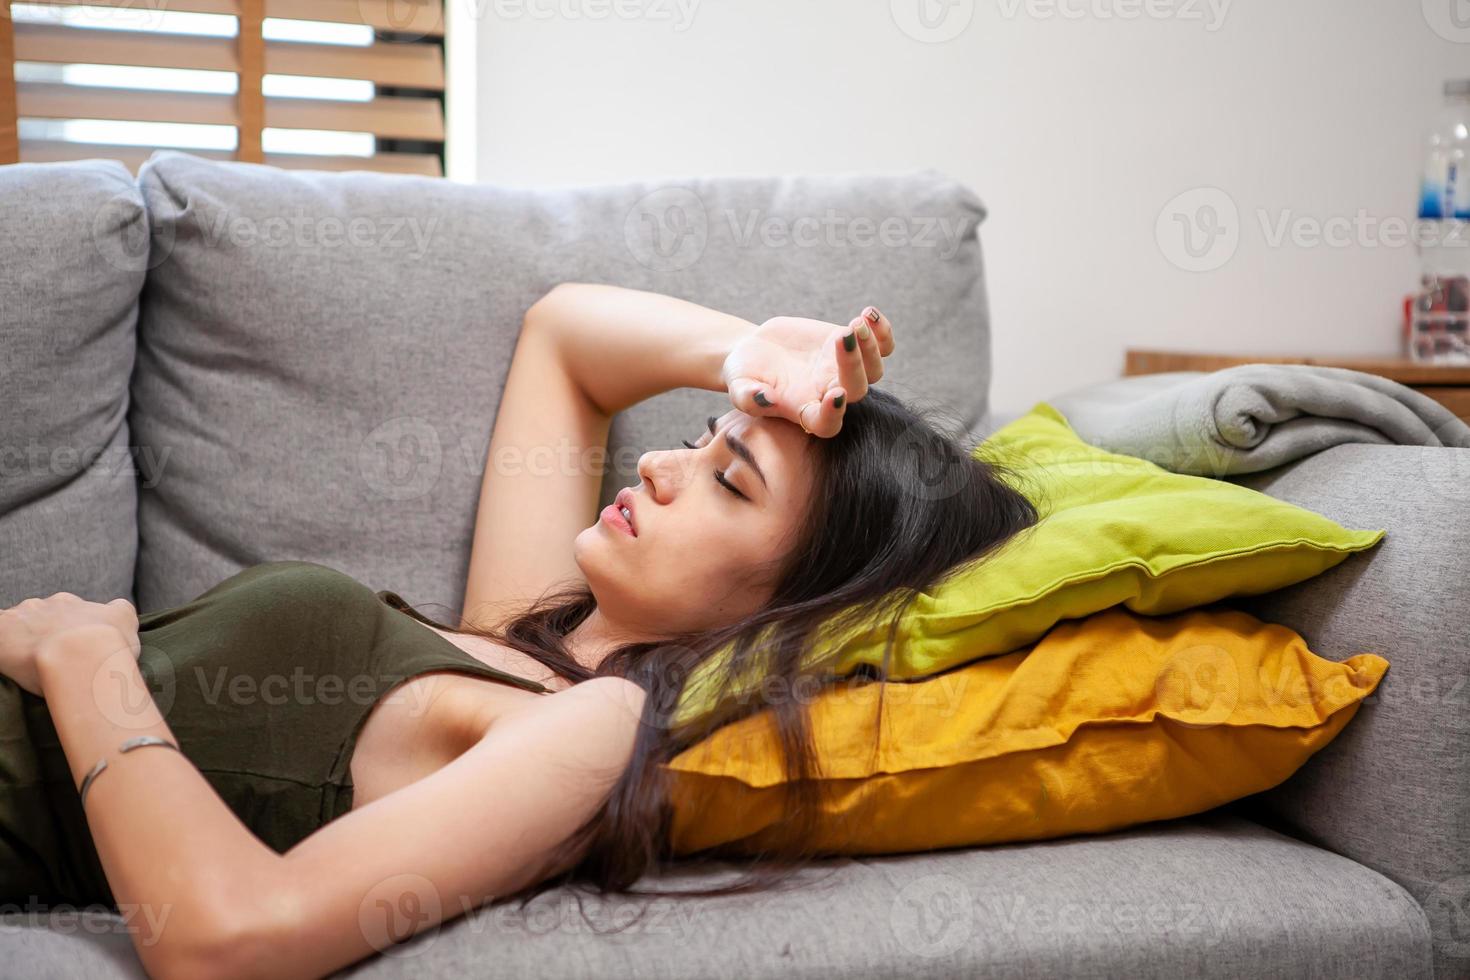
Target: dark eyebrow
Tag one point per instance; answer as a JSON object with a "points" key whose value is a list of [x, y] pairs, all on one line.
{"points": [[739, 449]]}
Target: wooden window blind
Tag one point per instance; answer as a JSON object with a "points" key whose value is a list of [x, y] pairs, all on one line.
{"points": [[322, 84]]}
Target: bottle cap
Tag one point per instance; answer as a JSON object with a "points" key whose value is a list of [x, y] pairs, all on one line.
{"points": [[1457, 86]]}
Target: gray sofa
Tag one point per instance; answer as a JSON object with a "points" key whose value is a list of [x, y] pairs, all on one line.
{"points": [[218, 364]]}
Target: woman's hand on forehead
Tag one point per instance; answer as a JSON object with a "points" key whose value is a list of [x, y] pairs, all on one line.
{"points": [[808, 371]]}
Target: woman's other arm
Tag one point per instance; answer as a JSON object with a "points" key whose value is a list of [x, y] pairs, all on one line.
{"points": [[203, 897], [181, 866]]}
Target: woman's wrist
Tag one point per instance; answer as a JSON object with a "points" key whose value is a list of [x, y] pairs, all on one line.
{"points": [[708, 356], [59, 653]]}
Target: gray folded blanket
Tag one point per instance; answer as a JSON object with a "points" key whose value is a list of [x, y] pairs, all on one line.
{"points": [[1253, 417]]}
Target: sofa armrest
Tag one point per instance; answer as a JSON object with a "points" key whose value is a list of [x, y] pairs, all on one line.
{"points": [[1393, 790]]}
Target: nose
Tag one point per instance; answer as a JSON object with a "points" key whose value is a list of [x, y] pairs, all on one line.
{"points": [[658, 469]]}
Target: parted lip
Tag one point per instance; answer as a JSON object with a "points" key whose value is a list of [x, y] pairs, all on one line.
{"points": [[625, 499]]}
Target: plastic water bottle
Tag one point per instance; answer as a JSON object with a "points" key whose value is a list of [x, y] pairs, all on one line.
{"points": [[1445, 191], [1439, 327]]}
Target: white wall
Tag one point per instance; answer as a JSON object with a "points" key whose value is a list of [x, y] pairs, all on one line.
{"points": [[1076, 126]]}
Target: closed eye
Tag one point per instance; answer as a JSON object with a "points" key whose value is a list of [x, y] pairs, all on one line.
{"points": [[720, 479], [720, 475]]}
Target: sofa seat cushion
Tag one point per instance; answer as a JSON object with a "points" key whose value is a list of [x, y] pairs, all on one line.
{"points": [[1211, 896]]}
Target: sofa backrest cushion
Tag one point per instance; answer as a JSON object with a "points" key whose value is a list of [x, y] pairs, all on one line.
{"points": [[322, 354], [73, 254]]}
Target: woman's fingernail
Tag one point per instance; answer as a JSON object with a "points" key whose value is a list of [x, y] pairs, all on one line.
{"points": [[849, 342], [762, 400], [838, 400], [864, 332], [872, 313]]}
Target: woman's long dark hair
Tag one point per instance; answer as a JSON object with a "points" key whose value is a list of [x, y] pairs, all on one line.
{"points": [[898, 505]]}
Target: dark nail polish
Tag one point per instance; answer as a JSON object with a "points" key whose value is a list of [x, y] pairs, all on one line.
{"points": [[762, 400], [849, 342], [838, 400]]}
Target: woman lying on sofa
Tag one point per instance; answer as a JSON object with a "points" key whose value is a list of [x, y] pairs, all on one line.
{"points": [[292, 836]]}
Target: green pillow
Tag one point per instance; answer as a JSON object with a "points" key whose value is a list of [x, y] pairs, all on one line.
{"points": [[1114, 530]]}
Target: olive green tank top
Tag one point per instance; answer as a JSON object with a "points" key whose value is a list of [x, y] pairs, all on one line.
{"points": [[265, 680]]}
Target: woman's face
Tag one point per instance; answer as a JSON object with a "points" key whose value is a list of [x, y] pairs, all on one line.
{"points": [[701, 556]]}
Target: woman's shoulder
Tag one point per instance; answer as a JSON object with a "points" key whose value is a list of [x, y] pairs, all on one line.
{"points": [[620, 696]]}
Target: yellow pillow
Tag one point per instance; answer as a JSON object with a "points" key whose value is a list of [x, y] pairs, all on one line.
{"points": [[1114, 530], [1107, 722]]}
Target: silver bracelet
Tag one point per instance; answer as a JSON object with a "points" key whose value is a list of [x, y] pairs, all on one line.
{"points": [[127, 746]]}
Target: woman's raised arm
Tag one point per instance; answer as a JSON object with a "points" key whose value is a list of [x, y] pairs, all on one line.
{"points": [[585, 353]]}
